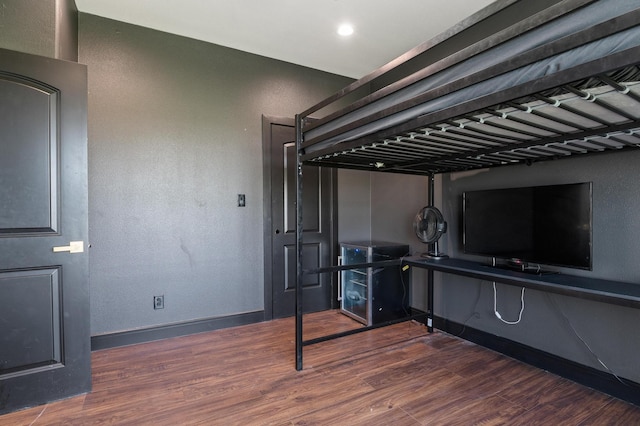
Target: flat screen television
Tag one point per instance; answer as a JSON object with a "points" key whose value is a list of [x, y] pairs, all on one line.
{"points": [[549, 225]]}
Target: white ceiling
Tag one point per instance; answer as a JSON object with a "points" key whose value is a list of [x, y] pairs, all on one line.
{"points": [[298, 31]]}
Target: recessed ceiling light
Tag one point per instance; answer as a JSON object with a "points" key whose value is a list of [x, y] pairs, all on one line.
{"points": [[345, 30]]}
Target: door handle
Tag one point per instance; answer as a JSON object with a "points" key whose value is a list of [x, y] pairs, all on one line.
{"points": [[73, 247], [339, 279]]}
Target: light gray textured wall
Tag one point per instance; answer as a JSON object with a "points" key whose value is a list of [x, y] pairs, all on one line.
{"points": [[395, 200], [381, 206], [40, 27], [174, 136], [611, 331], [28, 26], [354, 205]]}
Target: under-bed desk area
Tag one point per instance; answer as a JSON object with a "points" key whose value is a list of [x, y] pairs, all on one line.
{"points": [[517, 83], [607, 291]]}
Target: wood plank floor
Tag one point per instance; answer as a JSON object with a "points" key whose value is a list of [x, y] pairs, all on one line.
{"points": [[397, 375]]}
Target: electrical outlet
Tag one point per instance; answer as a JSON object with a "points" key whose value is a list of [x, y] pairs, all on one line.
{"points": [[158, 302], [241, 200]]}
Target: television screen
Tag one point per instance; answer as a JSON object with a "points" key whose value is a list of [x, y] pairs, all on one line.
{"points": [[550, 225]]}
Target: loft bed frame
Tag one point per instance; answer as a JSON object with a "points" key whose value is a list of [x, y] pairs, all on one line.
{"points": [[555, 83]]}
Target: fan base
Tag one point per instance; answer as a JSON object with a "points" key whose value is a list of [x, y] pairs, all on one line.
{"points": [[433, 255]]}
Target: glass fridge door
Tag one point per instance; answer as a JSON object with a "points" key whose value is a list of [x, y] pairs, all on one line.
{"points": [[354, 283]]}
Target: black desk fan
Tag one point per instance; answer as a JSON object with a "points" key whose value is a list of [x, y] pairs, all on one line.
{"points": [[429, 225]]}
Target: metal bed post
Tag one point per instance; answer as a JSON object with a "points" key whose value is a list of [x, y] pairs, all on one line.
{"points": [[298, 287], [429, 318]]}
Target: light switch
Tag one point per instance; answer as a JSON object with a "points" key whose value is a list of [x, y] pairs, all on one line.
{"points": [[241, 200]]}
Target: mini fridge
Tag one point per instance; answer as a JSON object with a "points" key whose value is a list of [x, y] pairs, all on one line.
{"points": [[373, 295]]}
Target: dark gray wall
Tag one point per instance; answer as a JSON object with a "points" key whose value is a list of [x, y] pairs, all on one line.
{"points": [[174, 136], [40, 27], [395, 201], [354, 205], [610, 331], [381, 206]]}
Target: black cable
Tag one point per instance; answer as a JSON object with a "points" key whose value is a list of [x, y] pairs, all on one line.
{"points": [[404, 285]]}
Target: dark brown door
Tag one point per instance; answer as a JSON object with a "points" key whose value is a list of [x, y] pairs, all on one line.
{"points": [[318, 220], [44, 297]]}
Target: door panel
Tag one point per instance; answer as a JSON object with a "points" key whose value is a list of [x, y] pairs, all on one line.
{"points": [[28, 169], [312, 255], [31, 301], [44, 295], [318, 234]]}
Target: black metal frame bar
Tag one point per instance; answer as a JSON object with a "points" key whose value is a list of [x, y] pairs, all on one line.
{"points": [[414, 316], [336, 268], [430, 277], [299, 229]]}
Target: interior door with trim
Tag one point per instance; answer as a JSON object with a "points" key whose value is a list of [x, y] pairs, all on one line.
{"points": [[319, 225], [45, 351]]}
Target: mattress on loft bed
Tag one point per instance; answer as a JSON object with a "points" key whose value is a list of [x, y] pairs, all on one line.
{"points": [[585, 17]]}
